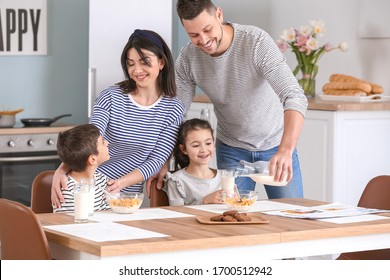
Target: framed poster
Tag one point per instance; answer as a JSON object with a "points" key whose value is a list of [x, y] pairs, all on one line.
{"points": [[23, 27]]}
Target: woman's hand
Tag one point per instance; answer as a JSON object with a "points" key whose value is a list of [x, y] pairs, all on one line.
{"points": [[113, 186], [214, 197], [59, 181]]}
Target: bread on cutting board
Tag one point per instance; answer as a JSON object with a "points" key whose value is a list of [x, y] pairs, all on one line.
{"points": [[346, 85]]}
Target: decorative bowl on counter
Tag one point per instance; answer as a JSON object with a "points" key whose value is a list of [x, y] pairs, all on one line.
{"points": [[7, 118], [125, 203], [240, 202]]}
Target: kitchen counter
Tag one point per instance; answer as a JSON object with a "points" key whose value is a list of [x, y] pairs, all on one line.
{"points": [[324, 105], [55, 128]]}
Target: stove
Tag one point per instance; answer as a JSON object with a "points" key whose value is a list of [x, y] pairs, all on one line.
{"points": [[24, 153]]}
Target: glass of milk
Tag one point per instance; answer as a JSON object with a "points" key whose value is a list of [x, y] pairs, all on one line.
{"points": [[227, 180], [81, 203], [90, 182]]}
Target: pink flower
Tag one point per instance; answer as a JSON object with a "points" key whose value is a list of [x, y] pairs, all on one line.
{"points": [[282, 45], [301, 40], [305, 45], [328, 47]]}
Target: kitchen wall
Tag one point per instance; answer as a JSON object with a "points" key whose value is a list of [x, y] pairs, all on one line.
{"points": [[54, 84], [367, 58]]}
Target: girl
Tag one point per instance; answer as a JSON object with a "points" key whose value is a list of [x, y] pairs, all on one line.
{"points": [[195, 182], [139, 117]]}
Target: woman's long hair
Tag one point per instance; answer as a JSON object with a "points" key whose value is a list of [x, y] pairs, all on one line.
{"points": [[151, 41]]}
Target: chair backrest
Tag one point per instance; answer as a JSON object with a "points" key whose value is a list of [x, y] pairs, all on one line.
{"points": [[41, 192], [377, 193], [157, 197], [22, 236]]}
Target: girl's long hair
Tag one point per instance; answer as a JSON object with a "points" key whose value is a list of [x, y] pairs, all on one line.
{"points": [[181, 159]]}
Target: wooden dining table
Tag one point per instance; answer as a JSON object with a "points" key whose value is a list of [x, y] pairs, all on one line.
{"points": [[185, 237]]}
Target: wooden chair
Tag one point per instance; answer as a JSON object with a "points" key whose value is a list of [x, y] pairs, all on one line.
{"points": [[375, 195], [22, 236], [157, 197], [41, 192]]}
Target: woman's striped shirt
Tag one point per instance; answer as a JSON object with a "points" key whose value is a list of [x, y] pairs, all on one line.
{"points": [[140, 137]]}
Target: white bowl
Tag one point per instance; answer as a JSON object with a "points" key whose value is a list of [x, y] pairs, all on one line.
{"points": [[126, 203]]}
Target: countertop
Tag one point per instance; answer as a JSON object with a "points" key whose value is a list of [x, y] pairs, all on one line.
{"points": [[55, 128], [322, 105]]}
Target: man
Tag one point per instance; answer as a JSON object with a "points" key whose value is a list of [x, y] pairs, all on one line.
{"points": [[258, 102]]}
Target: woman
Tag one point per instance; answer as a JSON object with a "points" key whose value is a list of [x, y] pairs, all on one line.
{"points": [[139, 116]]}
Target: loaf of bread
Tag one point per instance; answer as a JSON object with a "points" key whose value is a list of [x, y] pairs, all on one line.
{"points": [[345, 92], [375, 89], [366, 87], [343, 78]]}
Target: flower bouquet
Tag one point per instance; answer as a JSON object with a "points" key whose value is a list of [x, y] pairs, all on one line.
{"points": [[304, 43]]}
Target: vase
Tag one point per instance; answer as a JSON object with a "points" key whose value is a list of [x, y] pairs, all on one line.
{"points": [[308, 85]]}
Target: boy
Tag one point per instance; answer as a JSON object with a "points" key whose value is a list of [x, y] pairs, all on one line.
{"points": [[83, 149]]}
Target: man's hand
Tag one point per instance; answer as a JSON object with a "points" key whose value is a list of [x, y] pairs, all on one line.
{"points": [[281, 163], [280, 166]]}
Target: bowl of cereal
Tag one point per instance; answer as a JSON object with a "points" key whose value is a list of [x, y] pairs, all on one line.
{"points": [[242, 201], [125, 203]]}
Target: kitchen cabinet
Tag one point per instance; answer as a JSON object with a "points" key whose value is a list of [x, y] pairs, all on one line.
{"points": [[110, 25], [341, 149]]}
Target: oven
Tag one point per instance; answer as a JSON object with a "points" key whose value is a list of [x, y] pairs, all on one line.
{"points": [[24, 153]]}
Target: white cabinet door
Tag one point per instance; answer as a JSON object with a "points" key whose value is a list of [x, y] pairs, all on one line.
{"points": [[315, 151], [110, 25], [339, 152]]}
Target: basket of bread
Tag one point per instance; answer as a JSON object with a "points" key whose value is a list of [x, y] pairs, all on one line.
{"points": [[345, 85]]}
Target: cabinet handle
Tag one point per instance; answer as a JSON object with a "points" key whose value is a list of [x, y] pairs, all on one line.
{"points": [[91, 89]]}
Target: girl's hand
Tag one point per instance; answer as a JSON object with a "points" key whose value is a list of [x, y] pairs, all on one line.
{"points": [[213, 198]]}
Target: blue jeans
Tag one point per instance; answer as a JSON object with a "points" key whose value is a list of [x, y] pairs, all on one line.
{"points": [[228, 158]]}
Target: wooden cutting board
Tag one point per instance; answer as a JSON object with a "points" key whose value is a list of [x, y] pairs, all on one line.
{"points": [[255, 220]]}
